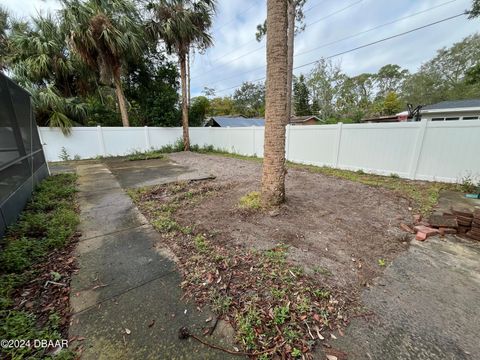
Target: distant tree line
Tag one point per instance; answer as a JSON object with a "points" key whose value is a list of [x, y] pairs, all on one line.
{"points": [[326, 91], [334, 96]]}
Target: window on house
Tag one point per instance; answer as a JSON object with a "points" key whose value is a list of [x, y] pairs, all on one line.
{"points": [[452, 119], [470, 118], [438, 119]]}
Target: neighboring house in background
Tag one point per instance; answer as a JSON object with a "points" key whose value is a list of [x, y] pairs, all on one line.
{"points": [[240, 121], [443, 111], [401, 116], [305, 120], [452, 110]]}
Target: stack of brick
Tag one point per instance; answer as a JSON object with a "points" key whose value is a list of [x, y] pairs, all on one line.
{"points": [[474, 232], [463, 222], [464, 218]]}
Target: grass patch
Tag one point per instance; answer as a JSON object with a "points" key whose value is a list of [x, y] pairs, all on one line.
{"points": [[251, 201], [145, 155], [48, 223]]}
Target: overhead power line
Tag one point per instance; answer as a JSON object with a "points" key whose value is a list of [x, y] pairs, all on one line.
{"points": [[335, 12], [376, 27], [263, 46], [326, 44], [232, 20], [360, 47]]}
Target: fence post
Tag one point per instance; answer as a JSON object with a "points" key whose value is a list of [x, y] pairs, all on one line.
{"points": [[101, 142], [253, 142], [338, 144], [147, 138], [417, 151], [287, 145]]}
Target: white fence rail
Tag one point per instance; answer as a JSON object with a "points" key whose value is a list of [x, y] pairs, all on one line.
{"points": [[443, 151]]}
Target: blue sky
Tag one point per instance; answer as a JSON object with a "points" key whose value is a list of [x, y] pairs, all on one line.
{"points": [[237, 57]]}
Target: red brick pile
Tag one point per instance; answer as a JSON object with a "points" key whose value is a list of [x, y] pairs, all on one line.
{"points": [[459, 221], [474, 232]]}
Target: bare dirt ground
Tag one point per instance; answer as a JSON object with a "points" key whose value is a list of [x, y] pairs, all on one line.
{"points": [[342, 231]]}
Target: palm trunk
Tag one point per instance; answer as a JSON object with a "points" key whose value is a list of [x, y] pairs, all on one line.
{"points": [[291, 41], [122, 104], [188, 77], [273, 177], [183, 75]]}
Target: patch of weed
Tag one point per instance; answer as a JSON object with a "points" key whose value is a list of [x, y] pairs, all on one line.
{"points": [[221, 303], [281, 314], [321, 293], [48, 222], [145, 155], [251, 201], [322, 271], [277, 255], [246, 324], [200, 243]]}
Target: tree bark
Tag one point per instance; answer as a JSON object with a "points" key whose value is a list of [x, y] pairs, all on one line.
{"points": [[183, 75], [291, 41], [122, 104], [188, 77], [273, 177]]}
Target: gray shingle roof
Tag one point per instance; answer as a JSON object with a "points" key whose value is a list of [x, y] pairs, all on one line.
{"points": [[453, 104], [238, 121]]}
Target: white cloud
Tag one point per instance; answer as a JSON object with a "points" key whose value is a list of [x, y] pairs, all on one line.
{"points": [[236, 22], [216, 68]]}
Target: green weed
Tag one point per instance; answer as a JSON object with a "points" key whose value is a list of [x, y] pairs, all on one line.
{"points": [[281, 314], [251, 201]]}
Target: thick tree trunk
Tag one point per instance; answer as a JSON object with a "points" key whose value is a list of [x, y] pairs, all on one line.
{"points": [[273, 177], [291, 42], [183, 75], [122, 104]]}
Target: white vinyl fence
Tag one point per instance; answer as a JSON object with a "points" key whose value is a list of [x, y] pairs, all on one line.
{"points": [[441, 151]]}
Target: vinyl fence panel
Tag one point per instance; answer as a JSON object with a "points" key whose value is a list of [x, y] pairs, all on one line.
{"points": [[442, 151]]}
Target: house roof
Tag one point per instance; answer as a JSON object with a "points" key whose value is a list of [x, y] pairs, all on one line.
{"points": [[453, 105], [301, 119], [238, 121], [389, 118]]}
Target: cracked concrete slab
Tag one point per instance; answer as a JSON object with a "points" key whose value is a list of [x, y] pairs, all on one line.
{"points": [[134, 174]]}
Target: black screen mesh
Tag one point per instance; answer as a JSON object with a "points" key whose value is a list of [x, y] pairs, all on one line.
{"points": [[21, 154]]}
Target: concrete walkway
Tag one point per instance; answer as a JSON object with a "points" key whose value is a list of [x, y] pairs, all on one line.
{"points": [[126, 297], [426, 306]]}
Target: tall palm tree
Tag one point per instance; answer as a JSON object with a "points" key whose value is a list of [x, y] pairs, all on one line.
{"points": [[273, 177], [39, 53], [4, 27], [294, 15], [103, 33], [182, 24]]}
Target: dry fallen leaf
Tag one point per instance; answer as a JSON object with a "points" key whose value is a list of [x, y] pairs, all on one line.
{"points": [[331, 357], [127, 331]]}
